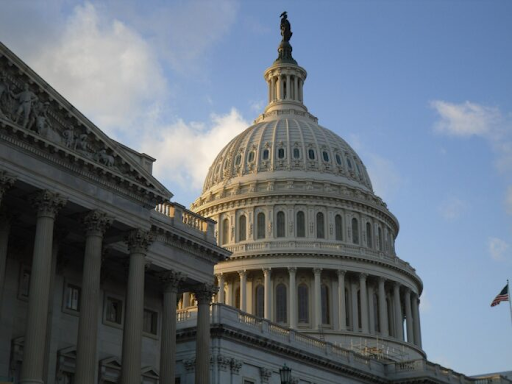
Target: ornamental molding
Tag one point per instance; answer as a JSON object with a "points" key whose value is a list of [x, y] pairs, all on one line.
{"points": [[139, 240], [171, 280], [97, 222], [48, 203], [38, 120]]}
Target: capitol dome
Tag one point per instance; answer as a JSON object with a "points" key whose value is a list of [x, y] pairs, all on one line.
{"points": [[313, 248]]}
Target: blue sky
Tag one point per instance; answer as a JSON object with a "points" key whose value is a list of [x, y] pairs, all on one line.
{"points": [[421, 89]]}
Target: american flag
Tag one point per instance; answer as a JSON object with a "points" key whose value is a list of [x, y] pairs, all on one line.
{"points": [[503, 296]]}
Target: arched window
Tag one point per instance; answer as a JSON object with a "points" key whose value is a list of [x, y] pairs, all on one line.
{"points": [[301, 224], [281, 310], [326, 319], [347, 308], [259, 302], [359, 317], [338, 227], [355, 231], [325, 155], [242, 228], [280, 224], [311, 154], [280, 153], [369, 235], [237, 297], [320, 225], [238, 159], [265, 155], [296, 153], [225, 231], [349, 163], [380, 238], [260, 234], [303, 294], [338, 159], [250, 159]]}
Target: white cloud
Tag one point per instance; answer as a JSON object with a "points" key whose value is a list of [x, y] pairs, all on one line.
{"points": [[452, 208], [499, 249], [258, 106], [185, 151]]}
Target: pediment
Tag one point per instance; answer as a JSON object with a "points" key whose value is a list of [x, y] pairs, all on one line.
{"points": [[38, 119], [111, 362]]}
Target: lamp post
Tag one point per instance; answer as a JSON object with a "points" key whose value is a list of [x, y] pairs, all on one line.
{"points": [[286, 375]]}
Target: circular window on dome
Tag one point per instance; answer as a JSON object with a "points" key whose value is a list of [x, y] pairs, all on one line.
{"points": [[238, 159], [265, 154], [251, 157], [280, 153], [296, 153], [311, 154], [325, 155], [338, 159]]}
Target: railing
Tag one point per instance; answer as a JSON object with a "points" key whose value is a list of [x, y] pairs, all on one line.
{"points": [[182, 216]]}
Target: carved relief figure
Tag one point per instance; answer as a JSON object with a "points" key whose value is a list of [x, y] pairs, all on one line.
{"points": [[5, 96], [103, 158], [26, 99], [69, 137], [81, 143]]}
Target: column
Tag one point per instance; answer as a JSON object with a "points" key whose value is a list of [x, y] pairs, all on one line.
{"points": [[296, 88], [342, 305], [274, 89], [317, 316], [355, 312], [47, 204], [371, 309], [6, 182], [281, 89], [243, 290], [301, 85], [220, 280], [204, 295], [269, 91], [363, 295], [293, 297], [416, 318], [170, 283], [408, 316], [5, 228], [288, 88], [399, 326], [383, 308], [95, 223], [268, 294], [138, 243]]}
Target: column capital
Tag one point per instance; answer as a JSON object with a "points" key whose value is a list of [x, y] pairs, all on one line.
{"points": [[382, 280], [96, 222], [363, 276], [48, 203], [139, 241], [204, 293], [317, 271], [396, 285], [267, 271], [242, 272], [292, 269], [171, 280], [6, 181], [220, 276], [341, 272]]}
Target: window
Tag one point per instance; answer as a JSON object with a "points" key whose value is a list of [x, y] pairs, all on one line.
{"points": [[265, 154], [260, 301], [225, 231], [280, 153], [369, 235], [238, 159], [24, 286], [260, 226], [380, 238], [301, 224], [242, 228], [296, 153], [251, 157], [72, 298], [325, 304], [281, 310], [114, 310], [355, 231], [347, 307], [325, 155], [338, 159], [311, 154], [338, 227], [303, 293], [320, 226], [349, 163], [376, 312], [150, 322], [280, 224], [237, 297]]}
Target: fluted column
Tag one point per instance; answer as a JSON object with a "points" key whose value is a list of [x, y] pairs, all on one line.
{"points": [[96, 223], [383, 308], [363, 295], [317, 316], [288, 87], [204, 295], [408, 316], [295, 88], [293, 297], [274, 89], [138, 243], [268, 293], [301, 84], [281, 87], [47, 204], [355, 314], [399, 327], [243, 290], [416, 318], [342, 305], [371, 309], [170, 283], [220, 280]]}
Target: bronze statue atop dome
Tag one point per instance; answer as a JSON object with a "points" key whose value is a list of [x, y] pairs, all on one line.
{"points": [[286, 31]]}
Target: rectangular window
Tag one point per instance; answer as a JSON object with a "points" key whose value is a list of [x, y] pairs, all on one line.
{"points": [[24, 286], [72, 298], [114, 310], [150, 322]]}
